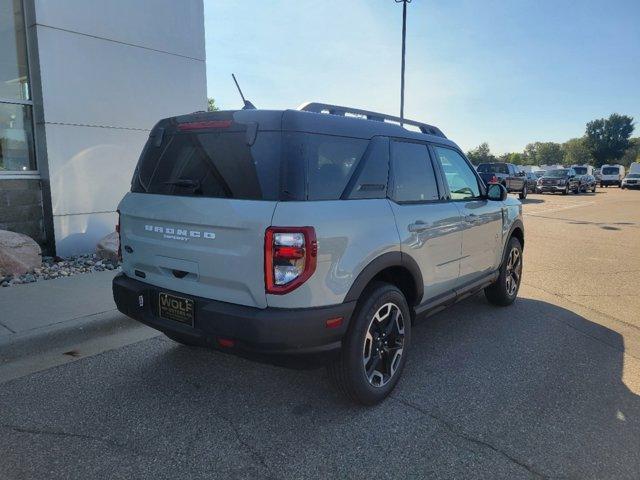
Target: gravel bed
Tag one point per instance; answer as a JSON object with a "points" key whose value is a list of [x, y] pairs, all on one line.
{"points": [[57, 267]]}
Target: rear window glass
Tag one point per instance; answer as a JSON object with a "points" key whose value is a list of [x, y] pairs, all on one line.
{"points": [[611, 171], [210, 164], [580, 170], [493, 168], [278, 166]]}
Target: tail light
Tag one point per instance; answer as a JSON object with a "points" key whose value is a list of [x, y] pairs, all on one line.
{"points": [[289, 258], [119, 237]]}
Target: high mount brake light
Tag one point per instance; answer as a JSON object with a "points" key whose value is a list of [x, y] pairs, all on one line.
{"points": [[290, 256], [211, 124]]}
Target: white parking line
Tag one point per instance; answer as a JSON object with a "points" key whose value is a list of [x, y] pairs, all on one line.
{"points": [[557, 209]]}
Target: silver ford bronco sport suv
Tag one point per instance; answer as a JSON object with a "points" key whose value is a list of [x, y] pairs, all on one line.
{"points": [[324, 231]]}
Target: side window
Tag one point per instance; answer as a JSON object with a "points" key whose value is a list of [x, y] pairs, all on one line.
{"points": [[370, 178], [413, 176], [462, 182]]}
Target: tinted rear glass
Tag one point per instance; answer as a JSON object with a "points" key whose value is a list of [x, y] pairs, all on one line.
{"points": [[611, 171], [580, 170], [318, 167], [210, 164], [221, 164]]}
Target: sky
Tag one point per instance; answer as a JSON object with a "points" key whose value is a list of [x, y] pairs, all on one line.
{"points": [[503, 72]]}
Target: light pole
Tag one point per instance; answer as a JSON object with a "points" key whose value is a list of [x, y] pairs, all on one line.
{"points": [[404, 35]]}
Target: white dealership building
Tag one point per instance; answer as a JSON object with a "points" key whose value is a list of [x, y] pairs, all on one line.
{"points": [[82, 82]]}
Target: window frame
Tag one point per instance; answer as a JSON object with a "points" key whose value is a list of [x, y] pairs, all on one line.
{"points": [[430, 161], [375, 142], [35, 173], [481, 186]]}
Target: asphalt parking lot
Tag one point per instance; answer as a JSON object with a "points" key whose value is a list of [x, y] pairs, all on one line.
{"points": [[547, 388]]}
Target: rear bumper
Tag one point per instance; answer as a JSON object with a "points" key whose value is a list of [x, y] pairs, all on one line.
{"points": [[268, 330]]}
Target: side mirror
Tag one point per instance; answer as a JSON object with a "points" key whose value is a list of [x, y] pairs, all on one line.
{"points": [[496, 192]]}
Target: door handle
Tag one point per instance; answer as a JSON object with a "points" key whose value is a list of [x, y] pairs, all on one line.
{"points": [[418, 226]]}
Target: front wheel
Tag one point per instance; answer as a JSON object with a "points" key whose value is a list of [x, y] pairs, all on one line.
{"points": [[374, 350], [523, 193], [505, 289]]}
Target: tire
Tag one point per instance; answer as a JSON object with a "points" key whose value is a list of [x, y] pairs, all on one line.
{"points": [[523, 193], [355, 373], [593, 190], [183, 340], [566, 190], [503, 292]]}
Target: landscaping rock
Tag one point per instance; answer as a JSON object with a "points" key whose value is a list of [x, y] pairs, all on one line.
{"points": [[107, 247], [19, 253]]}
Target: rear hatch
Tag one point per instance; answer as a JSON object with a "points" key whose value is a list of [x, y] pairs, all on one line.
{"points": [[202, 196]]}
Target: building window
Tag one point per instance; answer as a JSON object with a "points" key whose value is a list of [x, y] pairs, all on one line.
{"points": [[16, 116]]}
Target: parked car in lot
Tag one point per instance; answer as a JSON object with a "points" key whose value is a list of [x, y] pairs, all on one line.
{"points": [[598, 174], [611, 175], [505, 174], [532, 181], [583, 169], [560, 180], [588, 183], [632, 180], [304, 232]]}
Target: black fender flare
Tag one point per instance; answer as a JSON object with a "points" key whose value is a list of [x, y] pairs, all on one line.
{"points": [[517, 224], [384, 261]]}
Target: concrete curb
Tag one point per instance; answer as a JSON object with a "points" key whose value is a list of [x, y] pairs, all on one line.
{"points": [[57, 344]]}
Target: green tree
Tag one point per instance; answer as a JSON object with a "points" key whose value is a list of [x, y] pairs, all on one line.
{"points": [[517, 158], [481, 154], [211, 105], [531, 152], [632, 153], [575, 152], [608, 138], [548, 153]]}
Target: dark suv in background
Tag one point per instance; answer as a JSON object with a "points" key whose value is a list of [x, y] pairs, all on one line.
{"points": [[561, 180], [507, 175]]}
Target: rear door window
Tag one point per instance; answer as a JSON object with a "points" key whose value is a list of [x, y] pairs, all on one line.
{"points": [[413, 176]]}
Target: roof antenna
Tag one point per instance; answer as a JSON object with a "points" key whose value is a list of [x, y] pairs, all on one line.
{"points": [[247, 104]]}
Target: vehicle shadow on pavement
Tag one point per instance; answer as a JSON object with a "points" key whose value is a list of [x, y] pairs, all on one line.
{"points": [[531, 390], [532, 201]]}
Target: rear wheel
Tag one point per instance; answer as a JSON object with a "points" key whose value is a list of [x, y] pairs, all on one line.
{"points": [[505, 289], [375, 347], [523, 193], [566, 190]]}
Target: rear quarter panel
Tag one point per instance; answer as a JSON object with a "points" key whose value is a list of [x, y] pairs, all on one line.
{"points": [[350, 234]]}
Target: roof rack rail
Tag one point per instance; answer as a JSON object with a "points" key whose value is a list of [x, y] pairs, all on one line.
{"points": [[316, 107]]}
